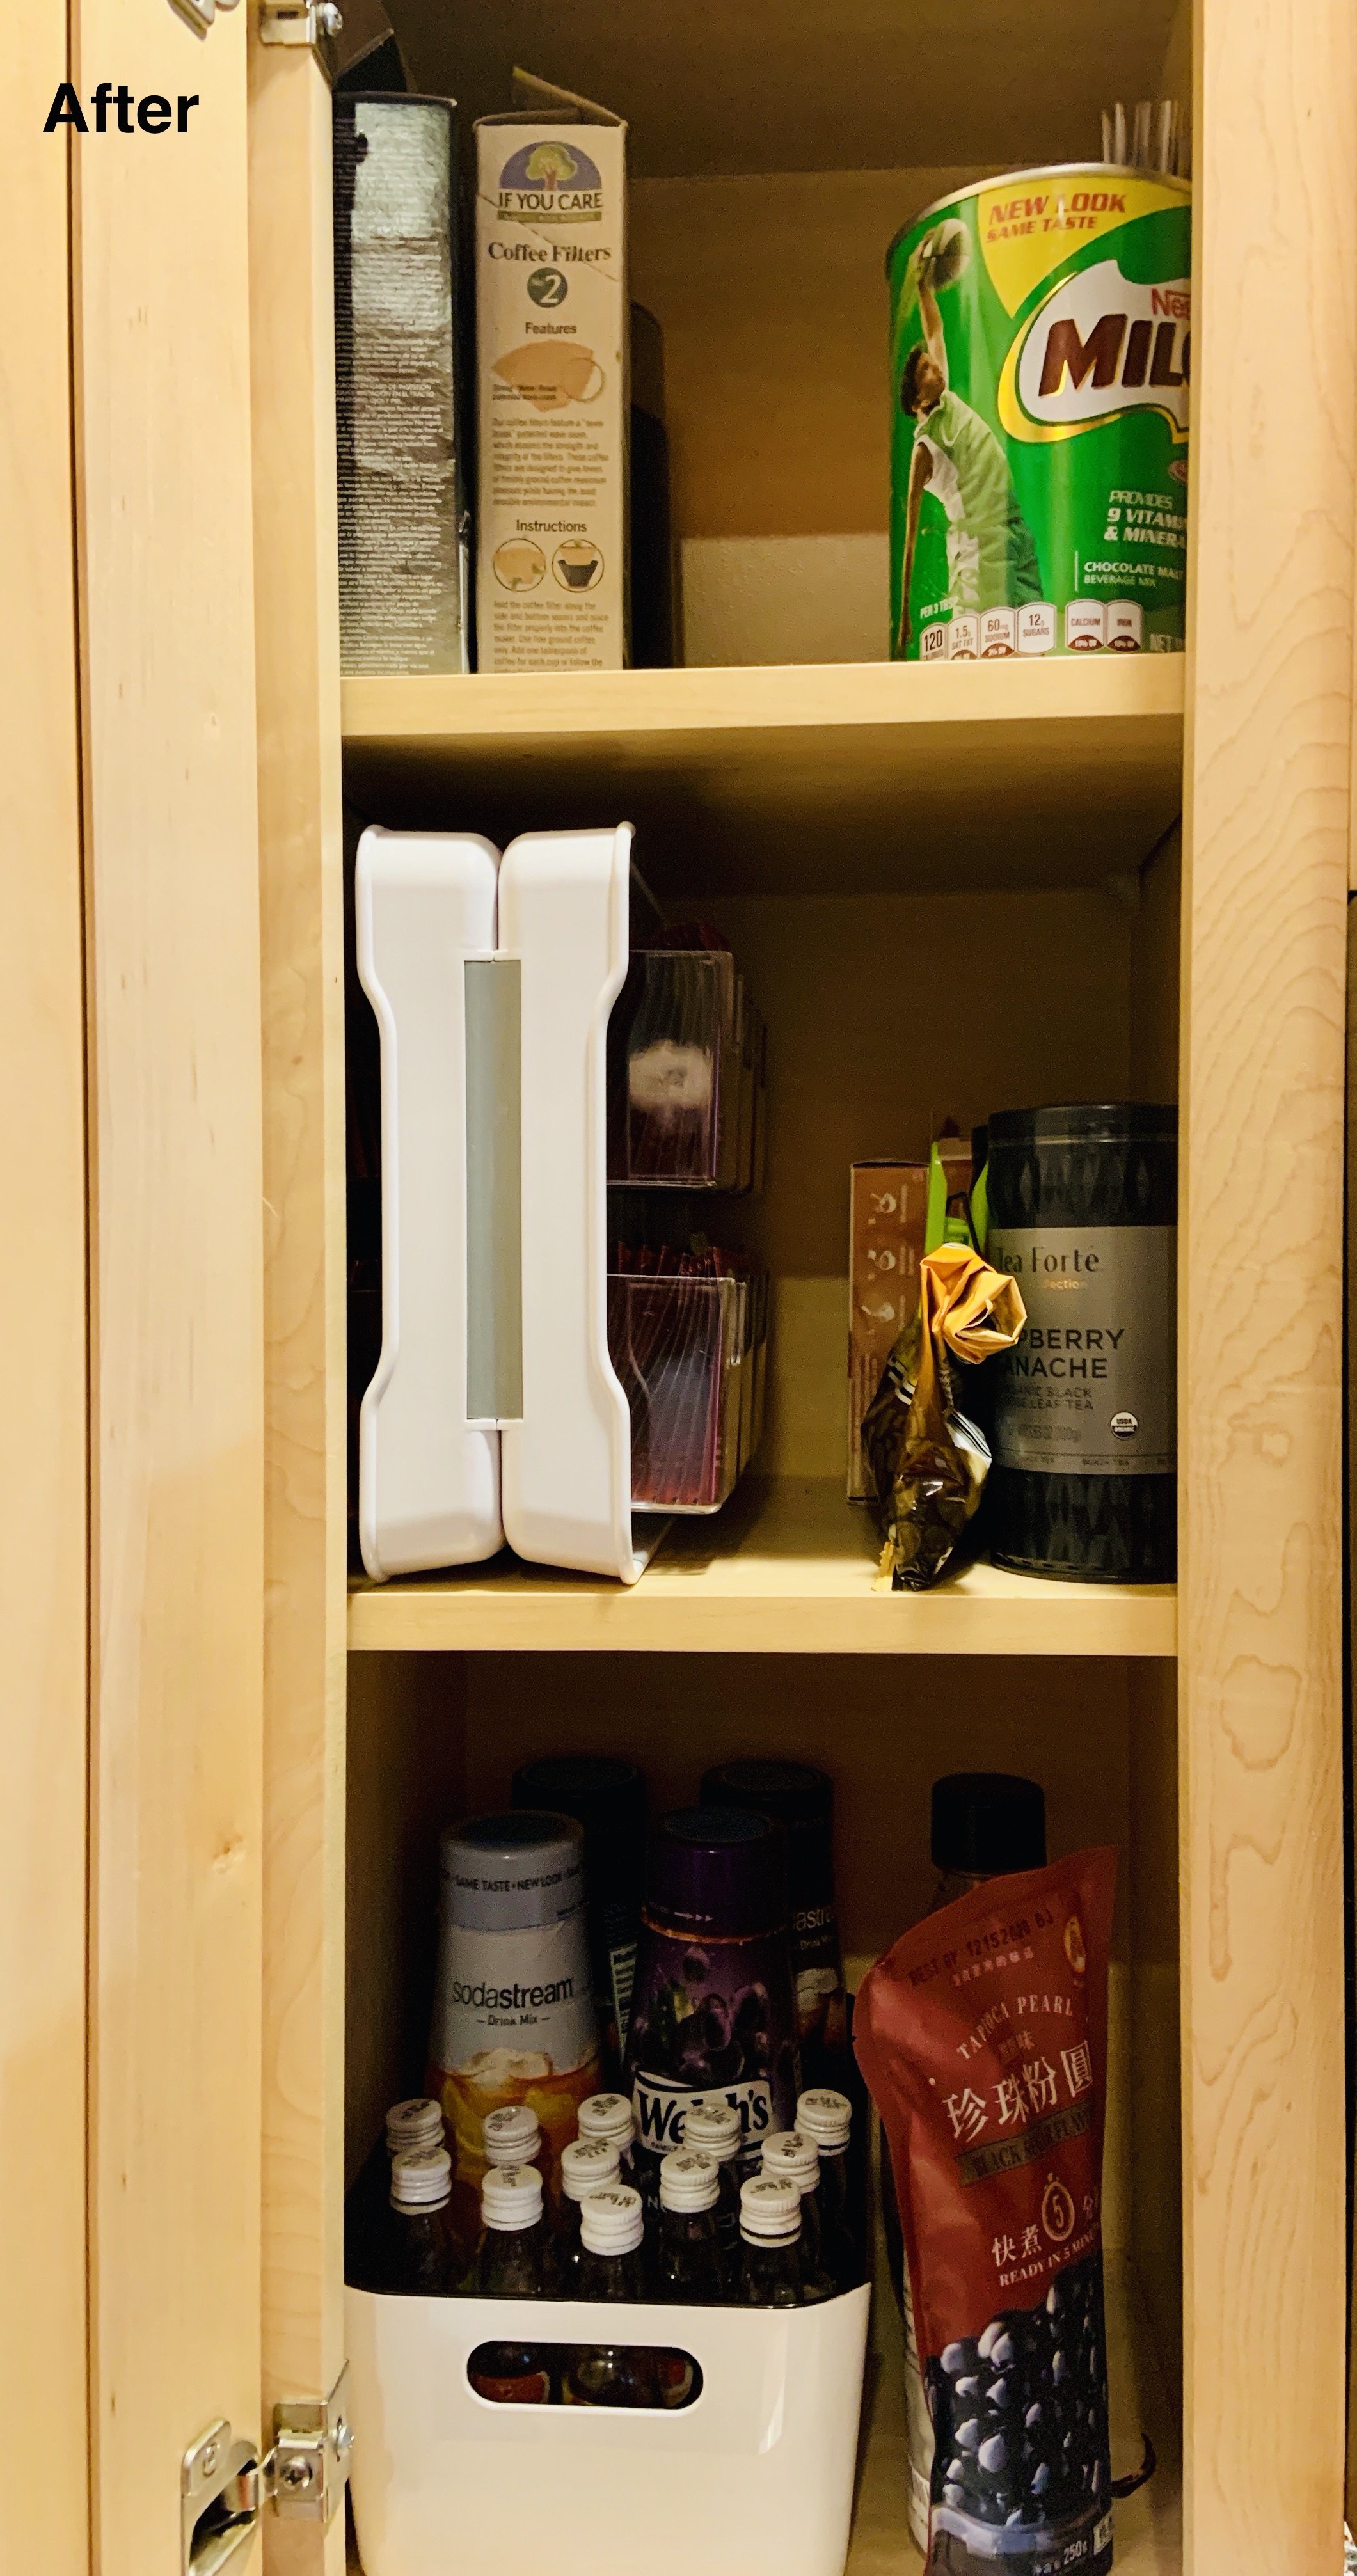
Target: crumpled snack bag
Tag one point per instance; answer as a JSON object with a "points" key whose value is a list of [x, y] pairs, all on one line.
{"points": [[983, 2039], [927, 1461]]}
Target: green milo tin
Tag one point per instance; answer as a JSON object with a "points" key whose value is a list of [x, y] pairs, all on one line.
{"points": [[1039, 386]]}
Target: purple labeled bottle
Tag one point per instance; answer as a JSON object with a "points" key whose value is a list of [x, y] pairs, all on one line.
{"points": [[714, 2015]]}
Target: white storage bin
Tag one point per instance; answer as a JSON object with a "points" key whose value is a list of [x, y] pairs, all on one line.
{"points": [[757, 2473]]}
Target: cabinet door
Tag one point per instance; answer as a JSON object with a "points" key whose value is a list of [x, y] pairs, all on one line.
{"points": [[43, 2520], [160, 284], [302, 929]]}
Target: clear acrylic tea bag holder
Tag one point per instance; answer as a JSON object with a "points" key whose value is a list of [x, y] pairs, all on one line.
{"points": [[495, 1412]]}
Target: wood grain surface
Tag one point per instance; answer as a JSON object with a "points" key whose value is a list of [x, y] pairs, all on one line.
{"points": [[163, 449], [1266, 835], [806, 778], [787, 1567], [301, 923], [43, 1597]]}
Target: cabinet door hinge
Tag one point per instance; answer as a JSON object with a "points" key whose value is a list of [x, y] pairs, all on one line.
{"points": [[224, 2485], [199, 14], [298, 22]]}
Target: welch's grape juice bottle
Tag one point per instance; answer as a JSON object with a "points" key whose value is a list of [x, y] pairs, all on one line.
{"points": [[369, 2228], [792, 2157], [688, 2262], [514, 2262], [612, 2271], [425, 2258], [801, 1799], [714, 2015], [827, 2117], [713, 2128], [588, 2164], [770, 2244], [610, 2118]]}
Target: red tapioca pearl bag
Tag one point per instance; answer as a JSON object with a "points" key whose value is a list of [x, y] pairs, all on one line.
{"points": [[983, 2039]]}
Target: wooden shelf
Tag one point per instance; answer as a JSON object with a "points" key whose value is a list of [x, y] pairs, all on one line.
{"points": [[853, 777], [1148, 2525], [787, 1568]]}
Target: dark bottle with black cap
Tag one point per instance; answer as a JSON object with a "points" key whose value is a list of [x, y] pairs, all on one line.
{"points": [[985, 1824], [714, 2017], [608, 1798], [801, 1800]]}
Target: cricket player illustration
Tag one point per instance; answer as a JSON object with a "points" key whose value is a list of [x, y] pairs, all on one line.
{"points": [[991, 556]]}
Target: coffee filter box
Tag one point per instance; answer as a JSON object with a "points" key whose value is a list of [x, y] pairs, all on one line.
{"points": [[552, 402]]}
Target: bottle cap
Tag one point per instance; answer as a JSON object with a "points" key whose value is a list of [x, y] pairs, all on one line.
{"points": [[793, 2157], [1085, 1122], [715, 2128], [421, 2178], [612, 2220], [606, 1796], [511, 2197], [825, 2116], [610, 2116], [718, 1870], [770, 2210], [413, 2124], [586, 2165], [689, 2181], [794, 1792], [986, 1823], [513, 2134], [512, 1873]]}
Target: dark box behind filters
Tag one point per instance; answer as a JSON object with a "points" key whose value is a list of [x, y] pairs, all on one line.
{"points": [[403, 528]]}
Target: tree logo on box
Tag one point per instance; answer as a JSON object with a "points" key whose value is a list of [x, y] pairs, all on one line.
{"points": [[552, 179]]}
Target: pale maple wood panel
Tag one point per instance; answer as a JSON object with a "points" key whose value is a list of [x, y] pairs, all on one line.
{"points": [[736, 85], [406, 1780], [1266, 841], [788, 1566], [43, 2504], [884, 1728], [301, 916], [772, 296], [163, 449], [1351, 1284], [807, 778]]}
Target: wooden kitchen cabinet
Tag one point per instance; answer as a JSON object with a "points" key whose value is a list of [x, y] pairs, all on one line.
{"points": [[951, 888]]}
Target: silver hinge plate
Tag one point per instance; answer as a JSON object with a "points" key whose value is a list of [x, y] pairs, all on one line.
{"points": [[307, 2470], [298, 22], [224, 2485], [219, 2499], [199, 14]]}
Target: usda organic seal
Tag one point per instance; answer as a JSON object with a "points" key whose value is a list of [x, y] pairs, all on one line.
{"points": [[1040, 345]]}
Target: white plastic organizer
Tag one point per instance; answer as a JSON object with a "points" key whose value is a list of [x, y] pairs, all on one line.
{"points": [[494, 1391], [756, 2473]]}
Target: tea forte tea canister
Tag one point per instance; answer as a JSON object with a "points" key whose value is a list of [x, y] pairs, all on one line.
{"points": [[1039, 349], [1083, 1204]]}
